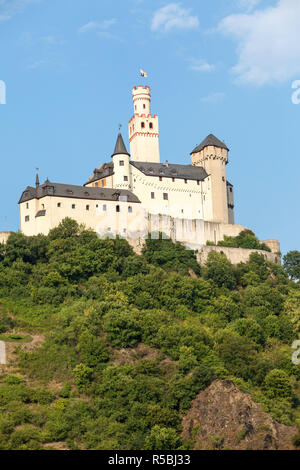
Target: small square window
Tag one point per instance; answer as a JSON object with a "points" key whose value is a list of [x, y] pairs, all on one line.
{"points": [[96, 185], [152, 196], [117, 208], [27, 205], [173, 179], [58, 204], [121, 162], [130, 209], [104, 207], [198, 182], [27, 218], [125, 178], [160, 178], [165, 196], [73, 206], [87, 207], [185, 181]]}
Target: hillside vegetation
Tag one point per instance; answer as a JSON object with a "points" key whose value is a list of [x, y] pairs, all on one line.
{"points": [[107, 349]]}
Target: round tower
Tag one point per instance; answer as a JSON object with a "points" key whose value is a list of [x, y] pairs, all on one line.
{"points": [[141, 99], [143, 128], [121, 177]]}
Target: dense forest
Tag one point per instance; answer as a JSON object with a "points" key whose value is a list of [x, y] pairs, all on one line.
{"points": [[125, 342]]}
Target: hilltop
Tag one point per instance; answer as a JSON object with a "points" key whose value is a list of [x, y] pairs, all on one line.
{"points": [[111, 350]]}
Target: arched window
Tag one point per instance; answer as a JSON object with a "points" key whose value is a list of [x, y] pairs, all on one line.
{"points": [[151, 125], [143, 125]]}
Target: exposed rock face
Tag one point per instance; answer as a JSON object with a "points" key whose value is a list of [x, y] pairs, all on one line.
{"points": [[222, 417]]}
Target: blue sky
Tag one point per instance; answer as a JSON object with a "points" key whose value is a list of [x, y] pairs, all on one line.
{"points": [[223, 66]]}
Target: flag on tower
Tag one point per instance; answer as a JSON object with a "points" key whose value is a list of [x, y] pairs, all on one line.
{"points": [[143, 74]]}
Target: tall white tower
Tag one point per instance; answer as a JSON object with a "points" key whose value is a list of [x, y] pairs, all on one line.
{"points": [[143, 128]]}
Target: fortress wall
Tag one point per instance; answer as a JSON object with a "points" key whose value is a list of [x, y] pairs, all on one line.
{"points": [[235, 255], [4, 236], [215, 232], [194, 234], [274, 245]]}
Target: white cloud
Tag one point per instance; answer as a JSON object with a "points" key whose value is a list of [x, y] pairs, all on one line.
{"points": [[52, 40], [37, 64], [96, 26], [248, 5], [9, 8], [200, 65], [213, 97], [268, 43], [173, 16]]}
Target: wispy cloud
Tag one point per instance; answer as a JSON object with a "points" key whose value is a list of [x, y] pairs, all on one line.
{"points": [[52, 40], [9, 8], [200, 65], [248, 5], [268, 43], [97, 26], [173, 16], [37, 64], [213, 97]]}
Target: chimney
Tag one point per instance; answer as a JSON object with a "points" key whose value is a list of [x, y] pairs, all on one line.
{"points": [[167, 163]]}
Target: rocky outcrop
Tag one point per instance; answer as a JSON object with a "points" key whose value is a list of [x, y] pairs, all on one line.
{"points": [[222, 417]]}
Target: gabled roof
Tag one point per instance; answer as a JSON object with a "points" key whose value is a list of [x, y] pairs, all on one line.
{"points": [[103, 171], [76, 192], [210, 140], [120, 148], [171, 170]]}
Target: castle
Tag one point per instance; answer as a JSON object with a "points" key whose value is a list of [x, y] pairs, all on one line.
{"points": [[134, 194]]}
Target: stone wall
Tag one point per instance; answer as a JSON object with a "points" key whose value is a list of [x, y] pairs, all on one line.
{"points": [[235, 255], [4, 236]]}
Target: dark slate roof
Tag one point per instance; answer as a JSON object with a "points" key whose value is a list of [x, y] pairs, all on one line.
{"points": [[120, 146], [189, 172], [210, 140], [78, 192], [41, 213], [104, 170]]}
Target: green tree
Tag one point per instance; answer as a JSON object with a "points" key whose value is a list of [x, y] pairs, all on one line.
{"points": [[161, 438], [291, 264], [278, 385], [220, 270]]}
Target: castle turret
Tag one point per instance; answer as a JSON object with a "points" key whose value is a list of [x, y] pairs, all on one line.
{"points": [[212, 154], [143, 128], [121, 178]]}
